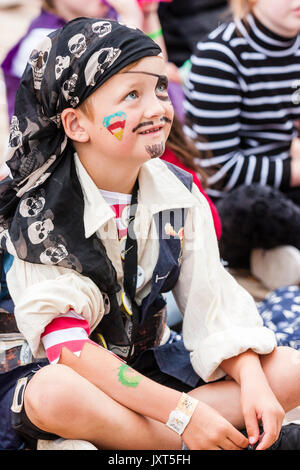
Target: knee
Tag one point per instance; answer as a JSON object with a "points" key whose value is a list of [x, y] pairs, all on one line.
{"points": [[47, 393], [283, 362], [288, 356]]}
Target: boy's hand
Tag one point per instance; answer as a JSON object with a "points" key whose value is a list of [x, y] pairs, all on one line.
{"points": [[259, 404], [208, 430]]}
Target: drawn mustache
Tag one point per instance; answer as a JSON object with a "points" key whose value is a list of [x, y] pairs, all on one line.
{"points": [[142, 124], [151, 123], [164, 118]]}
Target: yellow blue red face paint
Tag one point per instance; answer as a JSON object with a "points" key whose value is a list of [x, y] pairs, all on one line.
{"points": [[115, 124]]}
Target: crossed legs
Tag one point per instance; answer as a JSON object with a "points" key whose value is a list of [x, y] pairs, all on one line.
{"points": [[60, 401]]}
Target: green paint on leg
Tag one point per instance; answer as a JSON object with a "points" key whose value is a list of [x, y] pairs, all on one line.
{"points": [[128, 376]]}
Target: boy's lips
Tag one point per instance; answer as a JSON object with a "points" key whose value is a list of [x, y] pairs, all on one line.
{"points": [[151, 130]]}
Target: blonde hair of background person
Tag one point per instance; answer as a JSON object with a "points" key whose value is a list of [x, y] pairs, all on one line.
{"points": [[241, 8]]}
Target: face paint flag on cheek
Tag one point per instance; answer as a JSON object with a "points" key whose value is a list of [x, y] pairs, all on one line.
{"points": [[115, 124]]}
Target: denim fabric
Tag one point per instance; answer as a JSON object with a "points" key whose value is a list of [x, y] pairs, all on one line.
{"points": [[174, 315], [173, 359]]}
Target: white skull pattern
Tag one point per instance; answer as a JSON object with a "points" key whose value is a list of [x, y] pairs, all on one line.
{"points": [[61, 63], [31, 206], [99, 62], [39, 231], [77, 45], [53, 254], [38, 60], [101, 28], [15, 135], [69, 86]]}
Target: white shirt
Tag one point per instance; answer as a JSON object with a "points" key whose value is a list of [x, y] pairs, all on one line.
{"points": [[220, 318]]}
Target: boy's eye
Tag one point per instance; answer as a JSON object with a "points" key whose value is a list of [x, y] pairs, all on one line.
{"points": [[133, 95], [162, 88]]}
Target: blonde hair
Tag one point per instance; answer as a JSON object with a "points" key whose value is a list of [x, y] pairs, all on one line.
{"points": [[241, 8]]}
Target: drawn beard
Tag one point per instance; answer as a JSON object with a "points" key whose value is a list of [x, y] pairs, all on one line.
{"points": [[155, 150]]}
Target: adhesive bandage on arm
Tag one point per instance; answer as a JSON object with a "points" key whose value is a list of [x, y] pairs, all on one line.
{"points": [[180, 417]]}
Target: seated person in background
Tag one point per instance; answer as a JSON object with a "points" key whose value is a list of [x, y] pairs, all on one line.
{"points": [[241, 107]]}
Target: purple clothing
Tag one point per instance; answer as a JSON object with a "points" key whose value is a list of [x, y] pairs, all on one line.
{"points": [[45, 20]]}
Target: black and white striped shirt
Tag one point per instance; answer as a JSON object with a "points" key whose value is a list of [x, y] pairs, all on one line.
{"points": [[242, 98]]}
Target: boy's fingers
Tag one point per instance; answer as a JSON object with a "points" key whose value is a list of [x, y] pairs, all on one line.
{"points": [[252, 426], [269, 435], [238, 438], [230, 445]]}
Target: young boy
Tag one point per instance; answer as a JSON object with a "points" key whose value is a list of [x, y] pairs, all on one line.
{"points": [[99, 228]]}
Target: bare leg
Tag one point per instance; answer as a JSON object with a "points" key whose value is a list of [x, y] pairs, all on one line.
{"points": [[60, 401], [77, 409]]}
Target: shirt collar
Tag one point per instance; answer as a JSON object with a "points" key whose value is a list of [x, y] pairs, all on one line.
{"points": [[159, 190]]}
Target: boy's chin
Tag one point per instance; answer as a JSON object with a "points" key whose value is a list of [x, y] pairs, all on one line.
{"points": [[155, 150]]}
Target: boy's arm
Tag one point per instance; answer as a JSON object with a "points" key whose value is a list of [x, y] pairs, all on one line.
{"points": [[257, 399], [220, 317], [207, 429], [122, 383]]}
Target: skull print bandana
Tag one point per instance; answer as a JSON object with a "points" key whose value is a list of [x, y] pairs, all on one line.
{"points": [[42, 205]]}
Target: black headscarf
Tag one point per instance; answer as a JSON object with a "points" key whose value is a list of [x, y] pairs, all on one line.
{"points": [[42, 206]]}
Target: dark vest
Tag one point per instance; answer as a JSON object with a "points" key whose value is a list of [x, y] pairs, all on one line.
{"points": [[152, 313]]}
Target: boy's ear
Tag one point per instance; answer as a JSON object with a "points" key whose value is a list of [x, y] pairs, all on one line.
{"points": [[74, 125]]}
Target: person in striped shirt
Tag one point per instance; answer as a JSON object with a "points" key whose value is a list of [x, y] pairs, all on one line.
{"points": [[242, 103]]}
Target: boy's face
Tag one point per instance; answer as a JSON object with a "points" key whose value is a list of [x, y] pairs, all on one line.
{"points": [[132, 114]]}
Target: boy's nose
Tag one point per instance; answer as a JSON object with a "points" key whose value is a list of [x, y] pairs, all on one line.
{"points": [[154, 107]]}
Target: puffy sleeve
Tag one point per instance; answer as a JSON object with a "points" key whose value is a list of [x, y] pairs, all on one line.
{"points": [[41, 293], [220, 318]]}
